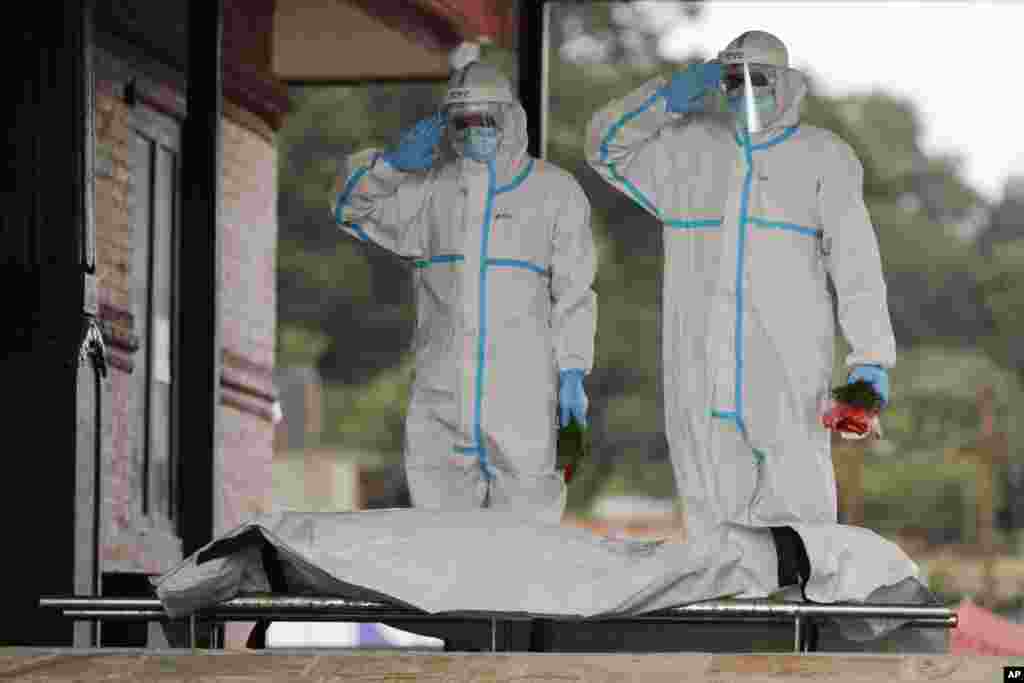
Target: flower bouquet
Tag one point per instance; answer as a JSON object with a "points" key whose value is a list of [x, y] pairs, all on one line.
{"points": [[853, 411]]}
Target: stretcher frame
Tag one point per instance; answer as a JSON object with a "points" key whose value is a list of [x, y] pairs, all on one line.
{"points": [[803, 616]]}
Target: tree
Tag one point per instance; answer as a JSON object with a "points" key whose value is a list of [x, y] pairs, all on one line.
{"points": [[358, 294], [1002, 280], [1006, 222], [1001, 246], [934, 408], [614, 33]]}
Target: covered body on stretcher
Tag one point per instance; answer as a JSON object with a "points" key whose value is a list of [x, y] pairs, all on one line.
{"points": [[484, 562]]}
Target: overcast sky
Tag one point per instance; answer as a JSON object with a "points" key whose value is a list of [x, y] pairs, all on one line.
{"points": [[959, 62]]}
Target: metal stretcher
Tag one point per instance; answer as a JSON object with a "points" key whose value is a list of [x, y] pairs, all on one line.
{"points": [[804, 617]]}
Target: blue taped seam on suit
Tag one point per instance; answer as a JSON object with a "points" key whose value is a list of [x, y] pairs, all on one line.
{"points": [[729, 416], [478, 448], [518, 180], [441, 258], [612, 132], [517, 263], [360, 233], [694, 224], [774, 141], [769, 143], [781, 225], [343, 199], [482, 332], [740, 252], [492, 262], [748, 151]]}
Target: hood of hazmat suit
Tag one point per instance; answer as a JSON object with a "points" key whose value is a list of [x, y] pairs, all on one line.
{"points": [[757, 83], [503, 261], [760, 228]]}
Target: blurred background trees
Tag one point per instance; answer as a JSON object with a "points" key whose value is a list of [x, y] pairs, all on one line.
{"points": [[954, 266]]}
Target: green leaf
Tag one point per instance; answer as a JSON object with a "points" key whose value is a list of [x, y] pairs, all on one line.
{"points": [[573, 446], [859, 394]]}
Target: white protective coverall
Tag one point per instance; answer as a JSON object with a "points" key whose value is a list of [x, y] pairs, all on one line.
{"points": [[752, 233], [504, 260]]}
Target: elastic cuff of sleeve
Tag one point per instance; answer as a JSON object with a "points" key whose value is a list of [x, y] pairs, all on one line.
{"points": [[867, 365], [856, 361]]}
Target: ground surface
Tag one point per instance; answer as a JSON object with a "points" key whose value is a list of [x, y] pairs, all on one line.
{"points": [[244, 667]]}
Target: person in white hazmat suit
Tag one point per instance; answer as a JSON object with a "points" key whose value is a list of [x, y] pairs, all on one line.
{"points": [[757, 218], [506, 316]]}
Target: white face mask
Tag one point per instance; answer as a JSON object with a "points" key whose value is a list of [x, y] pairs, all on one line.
{"points": [[476, 130], [764, 100], [478, 143], [763, 81]]}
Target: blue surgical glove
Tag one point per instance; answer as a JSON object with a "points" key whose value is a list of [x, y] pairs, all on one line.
{"points": [[685, 91], [572, 399], [876, 376], [415, 151]]}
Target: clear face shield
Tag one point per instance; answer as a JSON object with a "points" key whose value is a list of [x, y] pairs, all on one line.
{"points": [[475, 129], [751, 93]]}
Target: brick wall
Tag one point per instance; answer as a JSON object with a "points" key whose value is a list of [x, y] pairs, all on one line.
{"points": [[243, 473], [249, 213], [249, 308], [113, 228]]}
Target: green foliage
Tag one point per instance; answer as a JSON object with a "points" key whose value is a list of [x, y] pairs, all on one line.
{"points": [[573, 448], [299, 346], [634, 412], [859, 394], [898, 494], [369, 416], [934, 402], [939, 582], [909, 241], [633, 476], [1002, 281], [1002, 278], [339, 269]]}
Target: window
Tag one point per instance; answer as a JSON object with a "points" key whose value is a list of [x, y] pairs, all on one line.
{"points": [[155, 147]]}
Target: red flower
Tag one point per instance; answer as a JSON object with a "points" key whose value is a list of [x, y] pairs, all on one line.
{"points": [[843, 417], [854, 409]]}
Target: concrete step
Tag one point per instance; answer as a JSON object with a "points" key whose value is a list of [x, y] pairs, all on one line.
{"points": [[27, 664]]}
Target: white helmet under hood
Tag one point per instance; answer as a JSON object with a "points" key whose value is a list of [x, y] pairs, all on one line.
{"points": [[765, 54], [480, 86]]}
